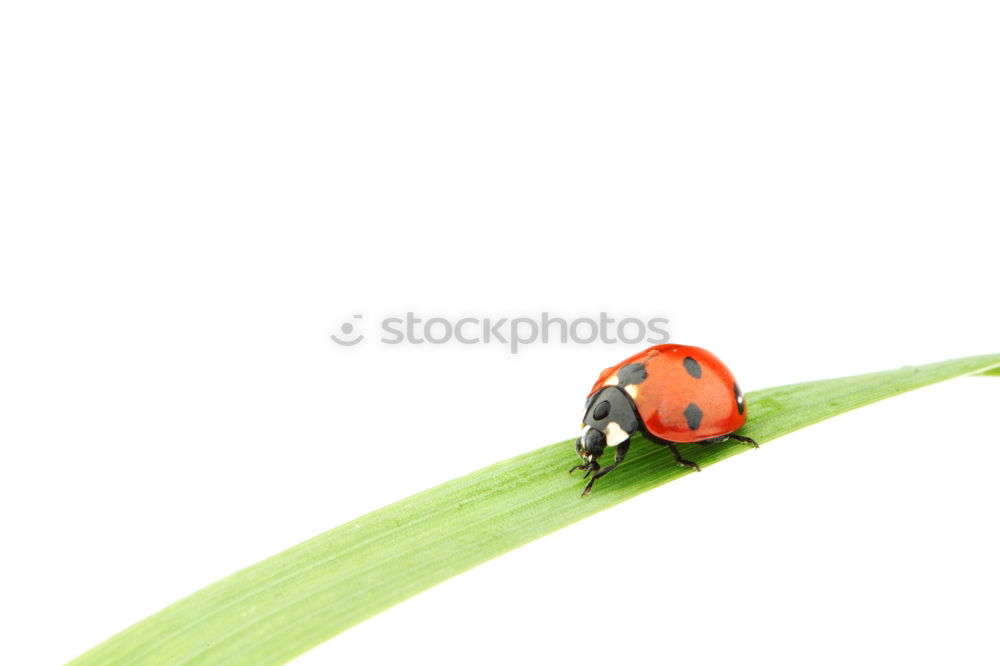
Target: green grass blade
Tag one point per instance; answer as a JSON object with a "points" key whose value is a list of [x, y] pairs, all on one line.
{"points": [[278, 608]]}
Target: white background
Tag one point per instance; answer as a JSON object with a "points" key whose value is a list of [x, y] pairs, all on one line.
{"points": [[195, 195]]}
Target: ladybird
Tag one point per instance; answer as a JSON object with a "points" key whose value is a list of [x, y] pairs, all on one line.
{"points": [[671, 394]]}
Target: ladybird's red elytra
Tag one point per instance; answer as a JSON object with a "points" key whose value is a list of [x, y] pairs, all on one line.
{"points": [[671, 394]]}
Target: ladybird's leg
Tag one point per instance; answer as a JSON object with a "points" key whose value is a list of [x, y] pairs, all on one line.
{"points": [[677, 455], [619, 457], [592, 466], [745, 440], [723, 438]]}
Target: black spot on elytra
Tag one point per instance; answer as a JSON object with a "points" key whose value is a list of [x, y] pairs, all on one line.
{"points": [[633, 373], [602, 410], [739, 398], [693, 415], [693, 367]]}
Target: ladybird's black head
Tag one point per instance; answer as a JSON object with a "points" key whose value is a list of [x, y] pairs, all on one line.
{"points": [[608, 420], [591, 445]]}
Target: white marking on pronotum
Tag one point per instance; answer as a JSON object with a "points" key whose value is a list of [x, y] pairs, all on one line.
{"points": [[632, 390], [614, 434], [611, 381]]}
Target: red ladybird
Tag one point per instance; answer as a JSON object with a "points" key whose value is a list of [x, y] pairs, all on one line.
{"points": [[669, 393]]}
